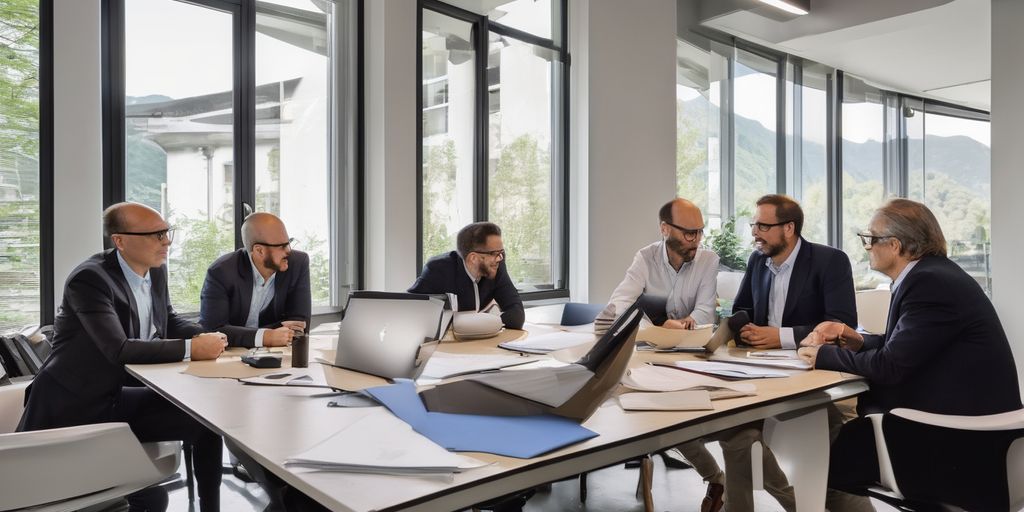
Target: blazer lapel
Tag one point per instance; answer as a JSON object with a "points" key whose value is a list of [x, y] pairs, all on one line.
{"points": [[764, 278], [113, 268], [797, 279], [280, 292], [247, 278], [158, 293]]}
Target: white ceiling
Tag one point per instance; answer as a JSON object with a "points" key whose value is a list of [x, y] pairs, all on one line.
{"points": [[932, 48]]}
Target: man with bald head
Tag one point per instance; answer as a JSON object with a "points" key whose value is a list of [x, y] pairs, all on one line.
{"points": [[258, 295], [116, 311]]}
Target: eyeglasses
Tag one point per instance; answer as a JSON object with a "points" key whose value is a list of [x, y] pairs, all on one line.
{"points": [[160, 235], [868, 239], [499, 253], [291, 242], [689, 235], [764, 226]]}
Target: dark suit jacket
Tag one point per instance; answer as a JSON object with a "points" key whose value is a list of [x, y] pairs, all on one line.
{"points": [[227, 294], [944, 349], [820, 288], [447, 274], [94, 336]]}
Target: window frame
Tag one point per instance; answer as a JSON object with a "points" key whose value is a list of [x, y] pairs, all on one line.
{"points": [[244, 85], [481, 26]]}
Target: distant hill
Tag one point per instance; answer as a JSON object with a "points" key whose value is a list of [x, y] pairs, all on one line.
{"points": [[142, 100]]}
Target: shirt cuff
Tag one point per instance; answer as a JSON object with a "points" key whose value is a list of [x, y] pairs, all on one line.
{"points": [[258, 342], [786, 337], [188, 350]]}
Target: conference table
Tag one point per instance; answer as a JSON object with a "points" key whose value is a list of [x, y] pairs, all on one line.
{"points": [[272, 423]]}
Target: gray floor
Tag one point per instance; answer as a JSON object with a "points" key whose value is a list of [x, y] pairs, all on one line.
{"points": [[608, 490]]}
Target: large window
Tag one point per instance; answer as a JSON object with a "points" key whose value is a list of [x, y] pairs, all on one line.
{"points": [[492, 88], [216, 127], [807, 159], [755, 121], [21, 187]]}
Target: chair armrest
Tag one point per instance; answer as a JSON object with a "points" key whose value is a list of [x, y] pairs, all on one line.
{"points": [[887, 477], [1012, 420]]}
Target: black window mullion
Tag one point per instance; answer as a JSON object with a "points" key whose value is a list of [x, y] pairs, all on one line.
{"points": [[245, 114], [112, 98], [46, 225], [780, 126], [834, 150], [419, 138], [481, 153]]}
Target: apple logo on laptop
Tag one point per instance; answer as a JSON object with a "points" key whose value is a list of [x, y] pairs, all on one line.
{"points": [[383, 333]]}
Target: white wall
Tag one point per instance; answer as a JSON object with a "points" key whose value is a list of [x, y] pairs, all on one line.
{"points": [[627, 57], [77, 137], [391, 118], [1008, 170]]}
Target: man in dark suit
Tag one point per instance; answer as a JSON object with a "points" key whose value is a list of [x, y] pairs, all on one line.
{"points": [[790, 286], [258, 295], [944, 351], [476, 273], [116, 311]]}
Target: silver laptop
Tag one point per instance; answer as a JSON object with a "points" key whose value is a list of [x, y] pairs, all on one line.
{"points": [[389, 334]]}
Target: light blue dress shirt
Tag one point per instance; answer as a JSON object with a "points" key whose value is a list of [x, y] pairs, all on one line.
{"points": [[262, 296], [777, 297], [899, 279], [142, 290]]}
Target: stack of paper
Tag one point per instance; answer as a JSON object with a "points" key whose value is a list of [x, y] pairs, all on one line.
{"points": [[663, 338], [550, 342], [729, 370], [443, 365], [306, 377], [668, 379], [786, 359], [380, 443]]}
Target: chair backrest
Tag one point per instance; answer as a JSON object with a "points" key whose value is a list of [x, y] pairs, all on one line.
{"points": [[729, 284], [70, 468], [873, 310], [579, 313], [12, 400]]}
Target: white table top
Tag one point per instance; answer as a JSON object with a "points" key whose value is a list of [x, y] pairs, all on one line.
{"points": [[274, 423]]}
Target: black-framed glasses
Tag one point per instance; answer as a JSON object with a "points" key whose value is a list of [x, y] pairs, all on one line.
{"points": [[764, 226], [499, 253], [290, 243], [690, 235], [868, 239], [160, 235]]}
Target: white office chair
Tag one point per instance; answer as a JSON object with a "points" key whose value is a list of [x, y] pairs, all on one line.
{"points": [[729, 284], [873, 310], [1009, 423], [66, 469]]}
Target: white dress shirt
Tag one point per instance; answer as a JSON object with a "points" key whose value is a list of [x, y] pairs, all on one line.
{"points": [[142, 290], [691, 291], [262, 295], [899, 279], [777, 296]]}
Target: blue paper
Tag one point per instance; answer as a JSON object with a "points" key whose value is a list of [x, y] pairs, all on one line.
{"points": [[513, 436]]}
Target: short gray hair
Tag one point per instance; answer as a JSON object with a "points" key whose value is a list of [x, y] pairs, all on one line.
{"points": [[914, 225]]}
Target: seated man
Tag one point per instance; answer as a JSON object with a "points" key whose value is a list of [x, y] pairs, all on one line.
{"points": [[683, 279], [116, 311], [475, 272], [258, 295], [944, 351], [790, 286]]}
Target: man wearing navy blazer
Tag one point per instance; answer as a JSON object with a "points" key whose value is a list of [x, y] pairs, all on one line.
{"points": [[944, 351], [258, 295], [475, 272], [116, 311]]}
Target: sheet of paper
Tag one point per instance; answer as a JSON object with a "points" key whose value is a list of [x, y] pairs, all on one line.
{"points": [[442, 365], [772, 359], [664, 338], [381, 443], [661, 378], [306, 377], [730, 370], [550, 342], [690, 400]]}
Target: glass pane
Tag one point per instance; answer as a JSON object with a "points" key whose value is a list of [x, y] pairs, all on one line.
{"points": [[521, 166], [179, 140], [537, 17], [755, 115], [813, 195], [294, 51], [19, 165], [957, 188], [448, 130], [700, 80], [863, 174]]}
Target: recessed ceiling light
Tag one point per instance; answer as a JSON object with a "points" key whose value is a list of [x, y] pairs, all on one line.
{"points": [[799, 7]]}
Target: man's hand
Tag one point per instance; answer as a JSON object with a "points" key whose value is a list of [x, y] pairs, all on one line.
{"points": [[682, 323], [762, 337], [208, 345], [295, 325], [808, 354], [836, 333], [278, 337]]}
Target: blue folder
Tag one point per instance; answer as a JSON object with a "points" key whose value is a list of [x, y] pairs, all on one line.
{"points": [[513, 436]]}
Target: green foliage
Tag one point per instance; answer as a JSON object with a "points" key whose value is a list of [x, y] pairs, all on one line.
{"points": [[19, 77], [439, 163], [520, 197], [728, 245], [319, 268], [19, 264], [199, 242], [691, 153]]}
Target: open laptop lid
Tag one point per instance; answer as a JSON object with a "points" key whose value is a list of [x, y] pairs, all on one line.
{"points": [[727, 329], [617, 334], [389, 334]]}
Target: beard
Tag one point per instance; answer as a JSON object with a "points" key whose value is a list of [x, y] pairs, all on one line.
{"points": [[681, 250], [487, 271], [269, 262], [771, 250]]}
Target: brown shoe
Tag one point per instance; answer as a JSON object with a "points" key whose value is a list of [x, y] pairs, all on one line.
{"points": [[713, 499]]}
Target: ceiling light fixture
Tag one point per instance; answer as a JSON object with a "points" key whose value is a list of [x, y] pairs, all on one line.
{"points": [[798, 7]]}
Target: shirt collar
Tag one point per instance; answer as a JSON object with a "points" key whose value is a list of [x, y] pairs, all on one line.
{"points": [[470, 274], [903, 274], [134, 280], [256, 276], [790, 261], [668, 263]]}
